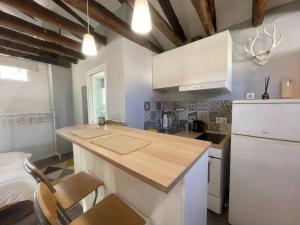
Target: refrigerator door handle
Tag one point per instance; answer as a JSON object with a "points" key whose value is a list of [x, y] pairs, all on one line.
{"points": [[208, 171]]}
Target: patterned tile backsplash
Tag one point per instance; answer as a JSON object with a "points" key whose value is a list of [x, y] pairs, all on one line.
{"points": [[206, 110]]}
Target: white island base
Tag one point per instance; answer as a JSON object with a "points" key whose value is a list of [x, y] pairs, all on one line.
{"points": [[185, 204]]}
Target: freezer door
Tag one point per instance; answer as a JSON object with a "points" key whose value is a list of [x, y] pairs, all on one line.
{"points": [[264, 182], [275, 121]]}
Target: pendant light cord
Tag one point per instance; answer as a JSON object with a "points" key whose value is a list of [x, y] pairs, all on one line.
{"points": [[87, 14]]}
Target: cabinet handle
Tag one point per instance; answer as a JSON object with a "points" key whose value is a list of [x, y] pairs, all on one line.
{"points": [[208, 171]]}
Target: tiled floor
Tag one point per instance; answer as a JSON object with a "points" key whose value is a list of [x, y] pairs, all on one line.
{"points": [[59, 171], [215, 219]]}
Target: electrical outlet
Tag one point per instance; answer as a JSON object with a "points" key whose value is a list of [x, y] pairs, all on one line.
{"points": [[250, 96], [221, 120]]}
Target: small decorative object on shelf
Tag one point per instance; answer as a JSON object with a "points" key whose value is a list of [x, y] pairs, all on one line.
{"points": [[265, 94], [101, 120], [287, 86]]}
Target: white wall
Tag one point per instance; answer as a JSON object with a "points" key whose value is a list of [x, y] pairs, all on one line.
{"points": [[111, 55], [138, 82], [284, 62], [26, 97], [129, 80], [31, 96], [34, 134]]}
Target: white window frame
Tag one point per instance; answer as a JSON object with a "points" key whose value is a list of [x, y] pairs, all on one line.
{"points": [[89, 74]]}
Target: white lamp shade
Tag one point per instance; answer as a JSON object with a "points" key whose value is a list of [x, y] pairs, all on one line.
{"points": [[141, 19], [88, 45]]}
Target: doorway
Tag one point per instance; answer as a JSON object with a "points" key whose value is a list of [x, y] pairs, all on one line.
{"points": [[97, 94]]}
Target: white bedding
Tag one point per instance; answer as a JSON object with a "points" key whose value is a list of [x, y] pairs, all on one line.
{"points": [[15, 183]]}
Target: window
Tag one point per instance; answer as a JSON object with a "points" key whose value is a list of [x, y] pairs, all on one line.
{"points": [[13, 73]]}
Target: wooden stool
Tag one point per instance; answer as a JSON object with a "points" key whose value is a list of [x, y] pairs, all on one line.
{"points": [[71, 190], [110, 211]]}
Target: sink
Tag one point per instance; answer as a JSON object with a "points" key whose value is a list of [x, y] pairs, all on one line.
{"points": [[212, 137]]}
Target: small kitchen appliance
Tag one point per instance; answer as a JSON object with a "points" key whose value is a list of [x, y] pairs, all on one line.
{"points": [[198, 126]]}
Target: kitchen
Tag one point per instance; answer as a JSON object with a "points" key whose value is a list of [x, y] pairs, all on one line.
{"points": [[199, 114]]}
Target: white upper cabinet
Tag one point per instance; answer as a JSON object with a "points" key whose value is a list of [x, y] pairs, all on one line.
{"points": [[207, 60], [167, 69], [201, 65]]}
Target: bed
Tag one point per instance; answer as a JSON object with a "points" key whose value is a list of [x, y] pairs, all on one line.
{"points": [[16, 185]]}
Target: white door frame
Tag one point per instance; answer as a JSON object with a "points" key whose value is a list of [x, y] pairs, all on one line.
{"points": [[89, 73]]}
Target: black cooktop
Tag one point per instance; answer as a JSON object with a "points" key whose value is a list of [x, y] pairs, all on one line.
{"points": [[211, 137]]}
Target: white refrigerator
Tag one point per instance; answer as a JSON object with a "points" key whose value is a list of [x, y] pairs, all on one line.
{"points": [[265, 163]]}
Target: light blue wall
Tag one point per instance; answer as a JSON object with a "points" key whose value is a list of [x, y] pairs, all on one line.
{"points": [[63, 103]]}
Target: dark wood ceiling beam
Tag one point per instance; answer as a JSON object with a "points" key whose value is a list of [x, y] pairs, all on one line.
{"points": [[204, 13], [102, 15], [36, 10], [258, 11], [65, 7], [212, 9], [39, 44], [19, 54], [172, 18], [15, 23], [34, 51], [161, 24]]}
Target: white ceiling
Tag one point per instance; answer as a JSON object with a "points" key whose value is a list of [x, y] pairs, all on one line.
{"points": [[229, 12]]}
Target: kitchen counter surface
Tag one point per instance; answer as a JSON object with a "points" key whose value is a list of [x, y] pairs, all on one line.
{"points": [[194, 135], [161, 164]]}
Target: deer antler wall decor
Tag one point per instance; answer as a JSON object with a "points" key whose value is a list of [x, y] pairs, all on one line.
{"points": [[262, 57]]}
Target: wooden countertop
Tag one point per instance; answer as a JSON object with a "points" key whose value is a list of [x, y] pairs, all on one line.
{"points": [[193, 135], [161, 164]]}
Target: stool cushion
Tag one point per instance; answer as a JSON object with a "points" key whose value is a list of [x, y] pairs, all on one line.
{"points": [[110, 211], [75, 188]]}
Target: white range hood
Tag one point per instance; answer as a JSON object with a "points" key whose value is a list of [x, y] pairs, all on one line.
{"points": [[204, 65], [222, 86]]}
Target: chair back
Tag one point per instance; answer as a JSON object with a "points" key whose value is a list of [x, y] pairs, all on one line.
{"points": [[45, 205], [37, 174]]}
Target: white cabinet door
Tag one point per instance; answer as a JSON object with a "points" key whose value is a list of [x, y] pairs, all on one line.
{"points": [[264, 182], [167, 69], [214, 176], [207, 60]]}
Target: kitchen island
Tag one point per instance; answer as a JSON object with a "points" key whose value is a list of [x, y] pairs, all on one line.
{"points": [[165, 180]]}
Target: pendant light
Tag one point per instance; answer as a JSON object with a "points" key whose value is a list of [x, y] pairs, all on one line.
{"points": [[88, 44], [141, 19]]}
